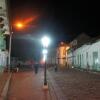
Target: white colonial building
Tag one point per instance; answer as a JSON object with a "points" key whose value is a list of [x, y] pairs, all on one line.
{"points": [[86, 57]]}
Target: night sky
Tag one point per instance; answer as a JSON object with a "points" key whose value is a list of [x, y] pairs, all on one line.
{"points": [[62, 20]]}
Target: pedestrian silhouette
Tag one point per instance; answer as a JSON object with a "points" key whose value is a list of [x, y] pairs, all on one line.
{"points": [[55, 67], [36, 67]]}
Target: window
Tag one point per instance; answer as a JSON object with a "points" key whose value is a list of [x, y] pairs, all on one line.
{"points": [[95, 60], [80, 60]]}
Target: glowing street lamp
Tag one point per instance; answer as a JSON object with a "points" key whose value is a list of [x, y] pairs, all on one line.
{"points": [[45, 42], [19, 25]]}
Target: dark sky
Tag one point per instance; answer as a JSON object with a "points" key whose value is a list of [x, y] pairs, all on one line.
{"points": [[62, 20]]}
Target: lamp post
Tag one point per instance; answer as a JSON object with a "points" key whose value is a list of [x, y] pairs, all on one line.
{"points": [[45, 42], [10, 45], [44, 58], [19, 26]]}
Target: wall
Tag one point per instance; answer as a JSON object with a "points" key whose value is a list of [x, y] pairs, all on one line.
{"points": [[3, 30], [3, 60], [87, 57]]}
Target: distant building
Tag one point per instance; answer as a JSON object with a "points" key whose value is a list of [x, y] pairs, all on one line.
{"points": [[79, 41], [86, 56], [62, 54], [76, 43], [51, 59]]}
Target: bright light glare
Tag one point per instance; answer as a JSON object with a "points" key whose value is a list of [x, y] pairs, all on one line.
{"points": [[44, 51], [96, 61], [45, 41], [44, 57], [44, 54], [19, 25]]}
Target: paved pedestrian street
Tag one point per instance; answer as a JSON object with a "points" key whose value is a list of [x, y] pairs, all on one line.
{"points": [[27, 85], [74, 84]]}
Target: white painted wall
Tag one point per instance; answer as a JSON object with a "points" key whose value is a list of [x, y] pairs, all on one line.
{"points": [[95, 47]]}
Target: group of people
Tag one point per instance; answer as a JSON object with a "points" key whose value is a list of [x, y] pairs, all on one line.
{"points": [[34, 65]]}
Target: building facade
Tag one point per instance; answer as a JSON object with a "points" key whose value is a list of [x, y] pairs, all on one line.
{"points": [[51, 57], [4, 29], [61, 55], [86, 56], [76, 43]]}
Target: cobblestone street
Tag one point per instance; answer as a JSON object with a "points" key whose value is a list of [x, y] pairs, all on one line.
{"points": [[76, 85]]}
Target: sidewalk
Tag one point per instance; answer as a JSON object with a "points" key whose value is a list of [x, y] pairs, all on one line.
{"points": [[28, 86], [4, 84]]}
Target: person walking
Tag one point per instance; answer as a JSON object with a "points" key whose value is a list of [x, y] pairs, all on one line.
{"points": [[55, 67], [36, 66]]}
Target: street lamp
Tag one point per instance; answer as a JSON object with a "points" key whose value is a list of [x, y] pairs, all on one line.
{"points": [[10, 45], [19, 26], [45, 42]]}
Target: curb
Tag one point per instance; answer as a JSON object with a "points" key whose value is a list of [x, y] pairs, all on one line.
{"points": [[88, 71], [5, 89]]}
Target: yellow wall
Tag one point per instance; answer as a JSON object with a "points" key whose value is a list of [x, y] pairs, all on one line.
{"points": [[62, 54]]}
